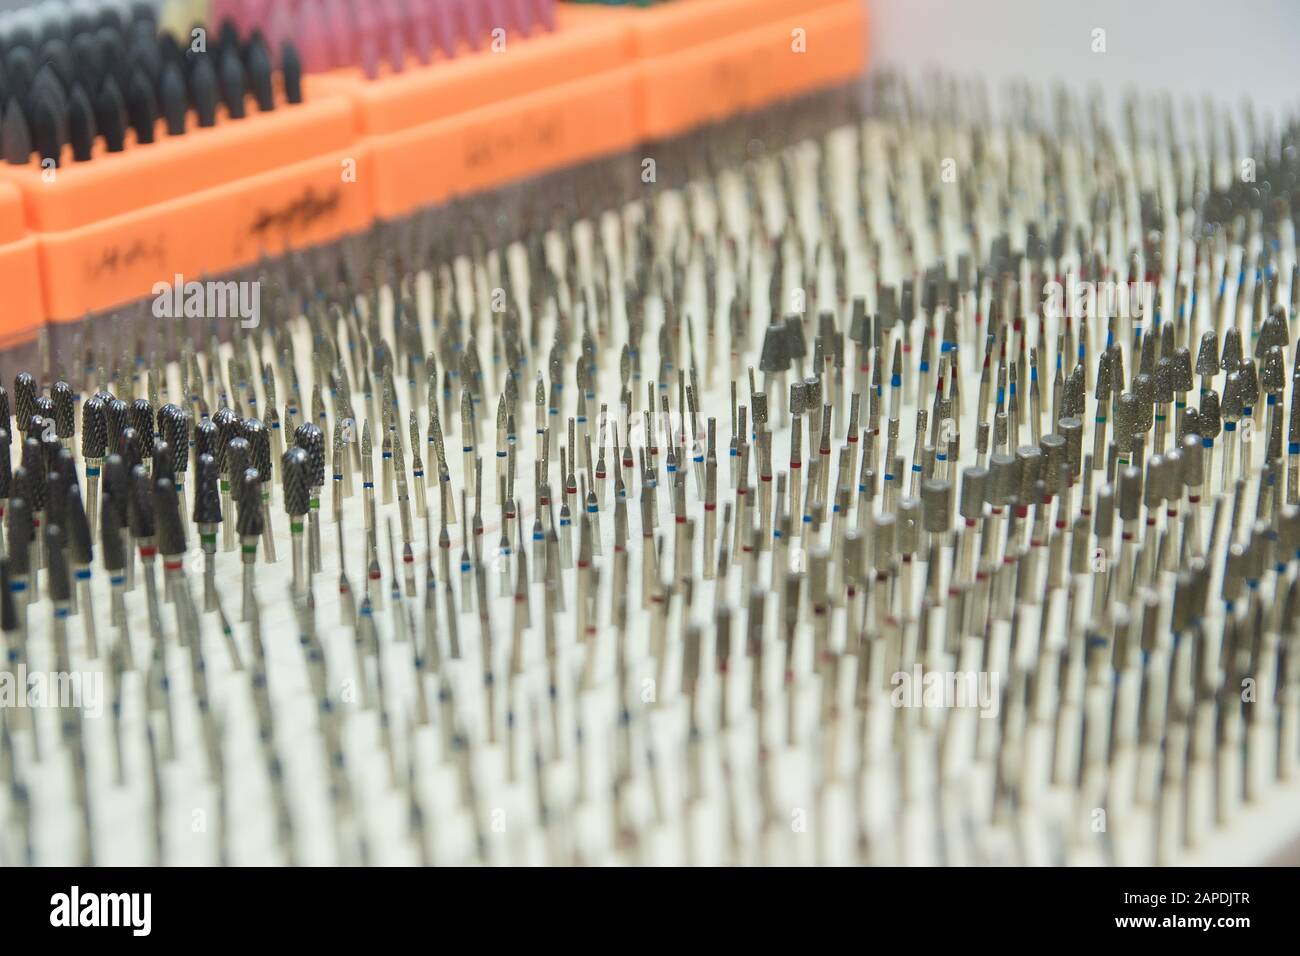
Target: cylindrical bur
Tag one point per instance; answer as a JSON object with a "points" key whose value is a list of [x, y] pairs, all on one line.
{"points": [[1130, 494], [882, 542], [1072, 430], [64, 417], [1288, 533], [1004, 479], [207, 515], [974, 490], [1055, 472], [259, 446], [1030, 460], [936, 495]]}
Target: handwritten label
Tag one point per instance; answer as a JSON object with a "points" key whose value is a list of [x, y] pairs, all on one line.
{"points": [[492, 144]]}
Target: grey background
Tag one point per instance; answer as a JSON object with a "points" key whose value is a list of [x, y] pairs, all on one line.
{"points": [[1229, 49]]}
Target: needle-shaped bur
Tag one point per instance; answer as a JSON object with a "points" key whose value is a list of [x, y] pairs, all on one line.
{"points": [[294, 468]]}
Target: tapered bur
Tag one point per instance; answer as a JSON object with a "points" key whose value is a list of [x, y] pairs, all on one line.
{"points": [[17, 137], [57, 579], [141, 106], [110, 115], [259, 76], [204, 91], [20, 536], [81, 124], [140, 506], [232, 84], [172, 99], [291, 72], [74, 518]]}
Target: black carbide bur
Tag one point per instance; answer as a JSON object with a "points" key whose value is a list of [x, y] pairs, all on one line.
{"points": [[162, 463], [204, 90], [6, 469], [141, 420], [28, 478], [291, 72], [57, 579], [16, 135], [79, 536], [173, 429], [4, 408], [206, 437], [115, 488], [111, 117], [259, 443], [24, 399], [207, 492], [141, 106], [44, 413], [112, 549], [47, 123], [172, 99], [140, 510], [295, 467], [8, 610], [239, 458], [117, 416], [227, 428], [232, 83], [65, 420], [171, 524], [130, 448], [207, 515], [56, 492], [259, 75], [21, 531], [250, 527], [310, 439], [81, 124], [94, 430], [249, 503], [227, 423]]}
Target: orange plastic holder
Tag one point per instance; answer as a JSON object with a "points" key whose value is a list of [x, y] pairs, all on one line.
{"points": [[585, 43], [22, 312], [200, 204], [795, 53], [486, 118]]}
